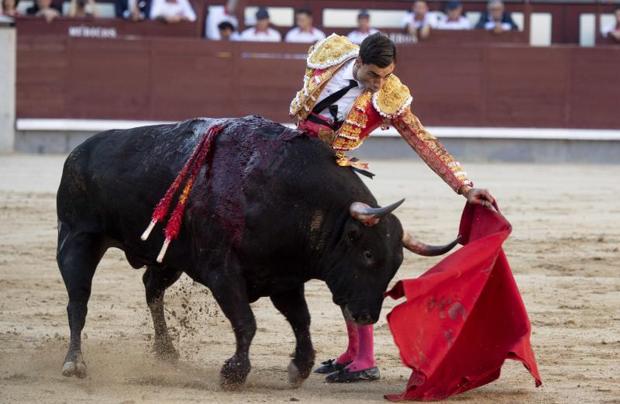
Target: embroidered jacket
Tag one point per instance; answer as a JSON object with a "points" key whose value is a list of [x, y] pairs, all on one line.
{"points": [[388, 106]]}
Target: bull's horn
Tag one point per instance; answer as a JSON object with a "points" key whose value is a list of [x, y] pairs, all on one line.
{"points": [[371, 216], [418, 247]]}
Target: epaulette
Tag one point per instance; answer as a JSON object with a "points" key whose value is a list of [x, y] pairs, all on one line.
{"points": [[331, 51], [392, 99]]}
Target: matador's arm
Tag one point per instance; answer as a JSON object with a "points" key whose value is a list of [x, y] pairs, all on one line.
{"points": [[431, 151]]}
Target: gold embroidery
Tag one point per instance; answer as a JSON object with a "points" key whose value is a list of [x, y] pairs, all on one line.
{"points": [[431, 150], [341, 159], [348, 136], [326, 135], [306, 98], [332, 51], [392, 99], [329, 54], [344, 161]]}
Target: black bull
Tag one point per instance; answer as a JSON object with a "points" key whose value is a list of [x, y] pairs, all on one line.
{"points": [[269, 211]]}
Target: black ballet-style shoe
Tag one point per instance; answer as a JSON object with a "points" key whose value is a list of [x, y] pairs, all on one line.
{"points": [[330, 366], [347, 376]]}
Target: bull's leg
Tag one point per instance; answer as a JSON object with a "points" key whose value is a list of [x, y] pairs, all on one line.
{"points": [[156, 281], [78, 255], [293, 306], [229, 290]]}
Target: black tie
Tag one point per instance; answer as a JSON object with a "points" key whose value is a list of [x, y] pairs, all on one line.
{"points": [[328, 101]]}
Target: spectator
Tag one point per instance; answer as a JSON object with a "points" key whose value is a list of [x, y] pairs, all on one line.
{"points": [[496, 19], [82, 9], [172, 11], [262, 32], [134, 10], [34, 9], [419, 21], [219, 14], [304, 32], [45, 10], [9, 8], [363, 28], [454, 18], [227, 31], [613, 31]]}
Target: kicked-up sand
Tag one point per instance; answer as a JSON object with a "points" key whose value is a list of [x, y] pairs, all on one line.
{"points": [[564, 251]]}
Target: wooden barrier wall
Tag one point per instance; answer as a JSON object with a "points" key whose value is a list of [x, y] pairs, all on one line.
{"points": [[508, 85], [104, 28]]}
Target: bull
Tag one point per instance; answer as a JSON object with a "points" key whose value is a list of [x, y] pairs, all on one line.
{"points": [[269, 211]]}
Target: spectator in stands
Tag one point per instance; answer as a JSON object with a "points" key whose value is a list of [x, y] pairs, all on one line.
{"points": [[419, 21], [454, 18], [82, 9], [363, 28], [304, 32], [134, 10], [34, 9], [219, 14], [613, 31], [172, 11], [261, 32], [496, 18], [227, 31], [9, 8], [45, 10]]}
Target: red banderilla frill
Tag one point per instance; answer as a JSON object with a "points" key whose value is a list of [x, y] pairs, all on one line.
{"points": [[191, 168]]}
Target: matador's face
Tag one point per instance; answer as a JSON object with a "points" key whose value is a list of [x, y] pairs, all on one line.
{"points": [[372, 76]]}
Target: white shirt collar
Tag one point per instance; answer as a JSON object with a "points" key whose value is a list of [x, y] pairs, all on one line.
{"points": [[348, 72]]}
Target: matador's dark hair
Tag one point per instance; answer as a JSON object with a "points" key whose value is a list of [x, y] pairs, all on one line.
{"points": [[377, 49]]}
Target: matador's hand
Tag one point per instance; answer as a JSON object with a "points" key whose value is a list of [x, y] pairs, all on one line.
{"points": [[479, 196]]}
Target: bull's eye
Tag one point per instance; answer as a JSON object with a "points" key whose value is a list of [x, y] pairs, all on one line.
{"points": [[368, 255]]}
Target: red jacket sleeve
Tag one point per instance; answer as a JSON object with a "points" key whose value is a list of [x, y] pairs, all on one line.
{"points": [[430, 150]]}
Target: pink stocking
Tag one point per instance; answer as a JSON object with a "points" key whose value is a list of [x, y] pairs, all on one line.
{"points": [[352, 348], [365, 358]]}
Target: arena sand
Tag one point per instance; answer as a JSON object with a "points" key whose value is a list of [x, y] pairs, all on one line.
{"points": [[564, 252]]}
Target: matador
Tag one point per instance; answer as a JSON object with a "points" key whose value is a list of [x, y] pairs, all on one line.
{"points": [[348, 92]]}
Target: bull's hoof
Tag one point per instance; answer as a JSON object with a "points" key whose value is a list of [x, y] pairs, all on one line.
{"points": [[74, 368], [296, 377], [233, 373], [166, 352]]}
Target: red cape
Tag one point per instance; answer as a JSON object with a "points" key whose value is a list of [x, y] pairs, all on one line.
{"points": [[463, 317]]}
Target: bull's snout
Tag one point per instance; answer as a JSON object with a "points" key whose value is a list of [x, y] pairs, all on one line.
{"points": [[361, 317]]}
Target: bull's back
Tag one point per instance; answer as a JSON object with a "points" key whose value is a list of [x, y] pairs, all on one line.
{"points": [[115, 177], [258, 170]]}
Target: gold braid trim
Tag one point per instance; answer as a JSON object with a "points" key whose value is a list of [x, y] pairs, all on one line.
{"points": [[431, 150], [393, 98], [348, 136], [305, 99], [301, 95]]}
